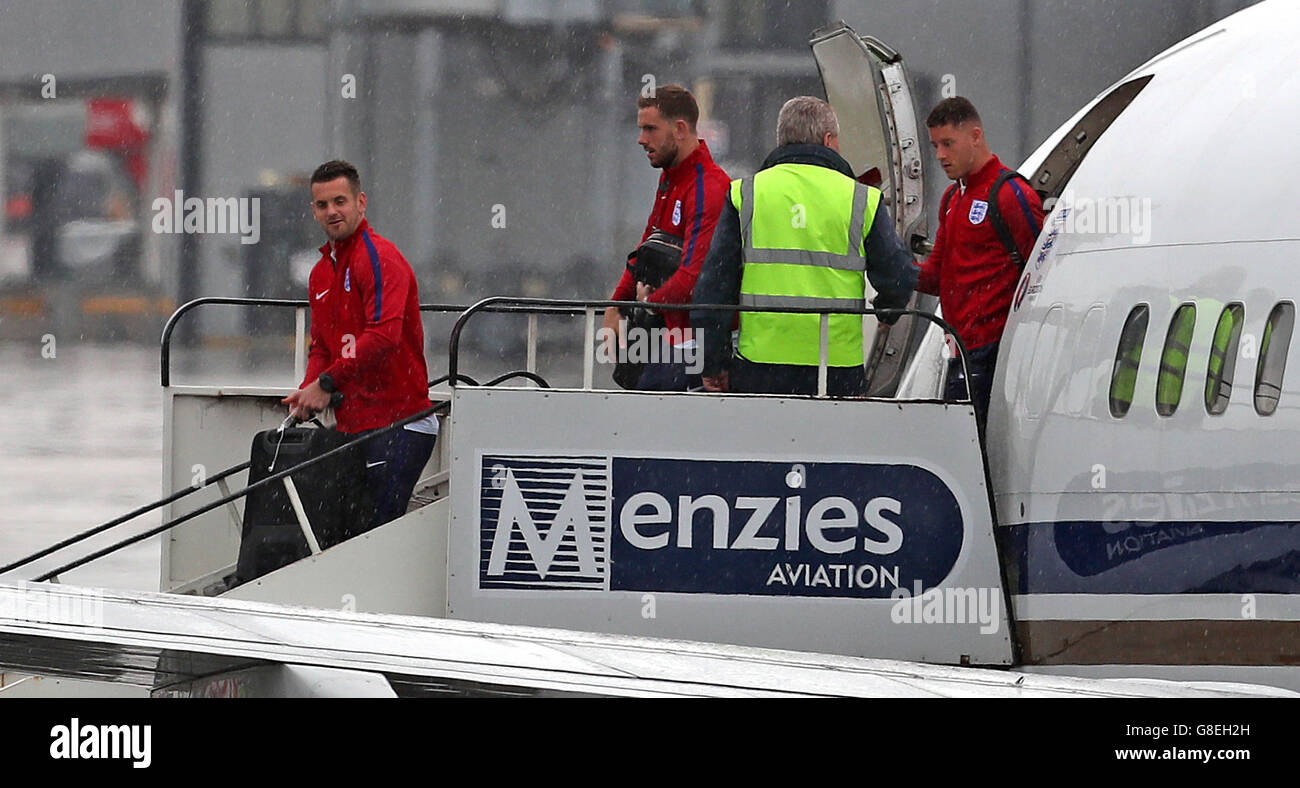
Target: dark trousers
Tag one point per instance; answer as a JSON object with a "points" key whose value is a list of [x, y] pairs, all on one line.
{"points": [[393, 464], [749, 377], [667, 376], [982, 361]]}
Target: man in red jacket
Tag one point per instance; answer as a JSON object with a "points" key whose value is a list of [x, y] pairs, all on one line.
{"points": [[691, 192], [973, 268], [367, 342]]}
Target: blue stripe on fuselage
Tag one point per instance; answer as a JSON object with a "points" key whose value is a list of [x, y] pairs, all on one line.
{"points": [[1152, 557]]}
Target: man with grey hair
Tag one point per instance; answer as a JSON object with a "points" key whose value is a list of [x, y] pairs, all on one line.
{"points": [[801, 232], [806, 120]]}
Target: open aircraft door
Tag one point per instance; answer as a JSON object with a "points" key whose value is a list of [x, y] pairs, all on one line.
{"points": [[866, 83]]}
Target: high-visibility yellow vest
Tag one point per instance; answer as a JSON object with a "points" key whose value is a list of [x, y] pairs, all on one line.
{"points": [[803, 228], [1267, 390], [1128, 357], [1173, 361], [1263, 347], [1223, 347], [1124, 380]]}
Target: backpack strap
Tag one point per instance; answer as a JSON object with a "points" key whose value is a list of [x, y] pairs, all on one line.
{"points": [[1000, 225], [943, 203]]}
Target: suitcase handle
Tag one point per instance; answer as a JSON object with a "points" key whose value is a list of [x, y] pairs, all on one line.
{"points": [[293, 421], [288, 434]]}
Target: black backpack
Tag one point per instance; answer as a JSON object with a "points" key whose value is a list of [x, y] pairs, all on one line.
{"points": [[995, 214]]}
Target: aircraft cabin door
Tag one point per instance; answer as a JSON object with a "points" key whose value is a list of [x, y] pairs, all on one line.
{"points": [[866, 84]]}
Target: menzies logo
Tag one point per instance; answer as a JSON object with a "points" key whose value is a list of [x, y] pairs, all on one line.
{"points": [[544, 522], [715, 527]]}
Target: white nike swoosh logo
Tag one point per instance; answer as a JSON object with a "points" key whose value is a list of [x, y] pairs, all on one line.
{"points": [[321, 294], [373, 464]]}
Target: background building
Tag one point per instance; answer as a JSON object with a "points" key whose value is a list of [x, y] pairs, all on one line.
{"points": [[458, 113]]}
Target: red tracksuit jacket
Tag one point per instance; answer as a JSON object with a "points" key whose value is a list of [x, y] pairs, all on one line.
{"points": [[969, 268], [366, 331], [687, 204]]}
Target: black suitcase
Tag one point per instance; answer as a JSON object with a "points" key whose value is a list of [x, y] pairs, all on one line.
{"points": [[333, 494]]}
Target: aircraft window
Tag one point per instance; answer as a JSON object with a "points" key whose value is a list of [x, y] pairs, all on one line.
{"points": [[1223, 359], [1272, 358], [1088, 357], [1047, 354], [1123, 376], [1173, 361]]}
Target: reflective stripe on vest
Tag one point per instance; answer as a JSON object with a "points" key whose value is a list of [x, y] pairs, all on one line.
{"points": [[802, 228], [1173, 361], [1124, 377], [1216, 387]]}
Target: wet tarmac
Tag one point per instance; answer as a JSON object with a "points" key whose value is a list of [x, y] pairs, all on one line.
{"points": [[80, 443]]}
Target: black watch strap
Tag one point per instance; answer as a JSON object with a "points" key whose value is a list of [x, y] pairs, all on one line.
{"points": [[327, 383]]}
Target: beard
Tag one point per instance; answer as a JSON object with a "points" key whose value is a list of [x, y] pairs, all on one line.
{"points": [[665, 156]]}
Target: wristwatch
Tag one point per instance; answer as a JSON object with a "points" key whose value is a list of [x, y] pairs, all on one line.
{"points": [[327, 385]]}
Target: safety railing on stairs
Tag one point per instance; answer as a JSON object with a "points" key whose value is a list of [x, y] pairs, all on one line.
{"points": [[532, 308]]}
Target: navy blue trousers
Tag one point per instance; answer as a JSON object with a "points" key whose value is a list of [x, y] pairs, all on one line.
{"points": [[750, 377], [667, 376], [393, 465], [982, 361]]}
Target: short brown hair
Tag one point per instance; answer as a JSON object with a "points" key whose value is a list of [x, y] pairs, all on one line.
{"points": [[674, 102], [952, 112], [337, 168]]}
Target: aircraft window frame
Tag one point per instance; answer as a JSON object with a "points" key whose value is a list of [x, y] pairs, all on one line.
{"points": [[1087, 357], [1171, 374], [1271, 364], [1132, 337], [1043, 363], [1218, 385], [1057, 168]]}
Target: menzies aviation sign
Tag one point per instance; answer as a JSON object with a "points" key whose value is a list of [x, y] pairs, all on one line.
{"points": [[825, 529]]}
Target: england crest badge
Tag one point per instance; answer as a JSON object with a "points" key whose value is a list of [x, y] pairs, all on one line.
{"points": [[347, 280], [978, 210], [677, 213]]}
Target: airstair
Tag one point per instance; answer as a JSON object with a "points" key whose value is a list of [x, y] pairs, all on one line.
{"points": [[853, 527]]}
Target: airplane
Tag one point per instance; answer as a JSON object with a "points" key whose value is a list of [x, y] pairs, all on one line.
{"points": [[1143, 482], [138, 644], [1127, 513]]}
